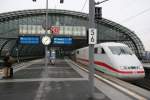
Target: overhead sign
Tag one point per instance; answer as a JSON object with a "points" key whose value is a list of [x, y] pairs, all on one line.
{"points": [[92, 36], [29, 39], [55, 30], [62, 40]]}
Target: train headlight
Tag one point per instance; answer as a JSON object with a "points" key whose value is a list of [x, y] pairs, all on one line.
{"points": [[123, 67], [140, 67]]}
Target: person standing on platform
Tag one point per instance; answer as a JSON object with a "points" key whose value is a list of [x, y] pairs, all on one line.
{"points": [[7, 65]]}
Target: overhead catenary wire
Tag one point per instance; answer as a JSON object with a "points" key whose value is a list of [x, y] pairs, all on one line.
{"points": [[84, 5], [134, 16]]}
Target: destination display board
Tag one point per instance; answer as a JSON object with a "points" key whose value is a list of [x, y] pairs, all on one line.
{"points": [[62, 40], [33, 40]]}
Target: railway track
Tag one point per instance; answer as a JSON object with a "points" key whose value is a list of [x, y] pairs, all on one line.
{"points": [[143, 83], [119, 83]]}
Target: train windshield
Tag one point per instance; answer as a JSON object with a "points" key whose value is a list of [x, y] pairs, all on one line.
{"points": [[120, 50]]}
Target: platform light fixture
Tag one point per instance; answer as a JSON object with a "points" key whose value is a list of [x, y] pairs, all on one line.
{"points": [[98, 13]]}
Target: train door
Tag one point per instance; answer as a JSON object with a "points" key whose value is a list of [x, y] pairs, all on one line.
{"points": [[101, 59], [101, 55], [99, 51]]}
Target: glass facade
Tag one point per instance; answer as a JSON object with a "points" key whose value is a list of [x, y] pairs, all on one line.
{"points": [[32, 22]]}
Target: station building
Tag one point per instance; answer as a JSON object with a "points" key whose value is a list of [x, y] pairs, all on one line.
{"points": [[63, 23]]}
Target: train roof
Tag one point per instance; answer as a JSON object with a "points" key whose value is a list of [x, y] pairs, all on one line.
{"points": [[106, 44], [82, 48], [111, 44]]}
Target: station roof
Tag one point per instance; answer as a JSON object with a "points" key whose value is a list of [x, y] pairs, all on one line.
{"points": [[4, 17]]}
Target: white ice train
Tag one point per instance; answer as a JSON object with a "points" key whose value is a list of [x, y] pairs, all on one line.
{"points": [[115, 59]]}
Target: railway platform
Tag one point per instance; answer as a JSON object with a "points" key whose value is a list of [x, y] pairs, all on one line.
{"points": [[64, 81]]}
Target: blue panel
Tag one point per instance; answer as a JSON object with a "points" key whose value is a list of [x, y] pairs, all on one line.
{"points": [[29, 39], [62, 40]]}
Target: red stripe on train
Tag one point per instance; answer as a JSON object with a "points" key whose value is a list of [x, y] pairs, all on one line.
{"points": [[109, 67]]}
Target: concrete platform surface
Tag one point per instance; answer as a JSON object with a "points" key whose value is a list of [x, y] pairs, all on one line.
{"points": [[63, 83]]}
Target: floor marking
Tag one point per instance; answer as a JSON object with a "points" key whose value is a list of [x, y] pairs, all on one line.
{"points": [[78, 70], [50, 67], [43, 79], [44, 87], [24, 65], [20, 68], [34, 68], [115, 85], [42, 91], [16, 67]]}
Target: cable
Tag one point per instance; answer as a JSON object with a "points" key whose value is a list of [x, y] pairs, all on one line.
{"points": [[84, 5], [132, 17]]}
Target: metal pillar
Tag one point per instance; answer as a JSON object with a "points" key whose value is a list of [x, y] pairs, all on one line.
{"points": [[17, 50], [46, 47], [91, 48]]}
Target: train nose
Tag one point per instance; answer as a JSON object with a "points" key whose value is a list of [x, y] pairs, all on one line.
{"points": [[135, 75]]}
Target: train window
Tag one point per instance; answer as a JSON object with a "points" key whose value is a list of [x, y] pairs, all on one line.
{"points": [[77, 52], [119, 50], [96, 50], [103, 51]]}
